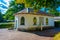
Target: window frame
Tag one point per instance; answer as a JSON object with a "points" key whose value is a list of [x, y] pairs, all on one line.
{"points": [[47, 21]]}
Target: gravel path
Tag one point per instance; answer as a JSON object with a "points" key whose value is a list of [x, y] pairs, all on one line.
{"points": [[6, 34], [18, 35]]}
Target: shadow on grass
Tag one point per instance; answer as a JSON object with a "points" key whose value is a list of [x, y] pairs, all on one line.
{"points": [[46, 33], [43, 33]]}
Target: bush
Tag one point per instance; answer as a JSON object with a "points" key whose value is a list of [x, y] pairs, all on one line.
{"points": [[57, 24], [57, 36], [6, 25]]}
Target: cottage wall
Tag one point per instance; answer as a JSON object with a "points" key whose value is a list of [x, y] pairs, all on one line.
{"points": [[29, 20]]}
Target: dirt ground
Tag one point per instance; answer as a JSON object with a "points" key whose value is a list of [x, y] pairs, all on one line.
{"points": [[6, 34]]}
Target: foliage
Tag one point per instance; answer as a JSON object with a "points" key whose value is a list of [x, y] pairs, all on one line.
{"points": [[54, 12], [13, 8], [8, 25], [57, 36], [57, 23], [37, 4], [1, 17], [18, 5]]}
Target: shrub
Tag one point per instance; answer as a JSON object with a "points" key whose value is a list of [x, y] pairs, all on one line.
{"points": [[57, 23], [6, 25], [57, 36]]}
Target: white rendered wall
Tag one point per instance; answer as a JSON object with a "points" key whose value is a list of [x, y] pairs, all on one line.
{"points": [[29, 20], [51, 21]]}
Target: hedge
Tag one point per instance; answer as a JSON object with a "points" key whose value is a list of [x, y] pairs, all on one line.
{"points": [[6, 25], [57, 23]]}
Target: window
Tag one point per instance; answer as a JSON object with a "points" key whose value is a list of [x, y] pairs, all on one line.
{"points": [[46, 21], [34, 21], [22, 21], [41, 20]]}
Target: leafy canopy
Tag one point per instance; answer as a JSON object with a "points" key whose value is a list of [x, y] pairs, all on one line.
{"points": [[13, 8]]}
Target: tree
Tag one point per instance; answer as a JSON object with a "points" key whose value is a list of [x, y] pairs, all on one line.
{"points": [[16, 7], [13, 8], [1, 17], [37, 4]]}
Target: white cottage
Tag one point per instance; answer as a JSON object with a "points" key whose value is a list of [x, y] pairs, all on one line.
{"points": [[28, 18]]}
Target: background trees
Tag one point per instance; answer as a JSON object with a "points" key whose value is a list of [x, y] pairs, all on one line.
{"points": [[13, 8], [18, 5], [38, 4], [1, 17]]}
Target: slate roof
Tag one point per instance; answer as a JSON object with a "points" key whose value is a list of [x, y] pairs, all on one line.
{"points": [[31, 11], [26, 10]]}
